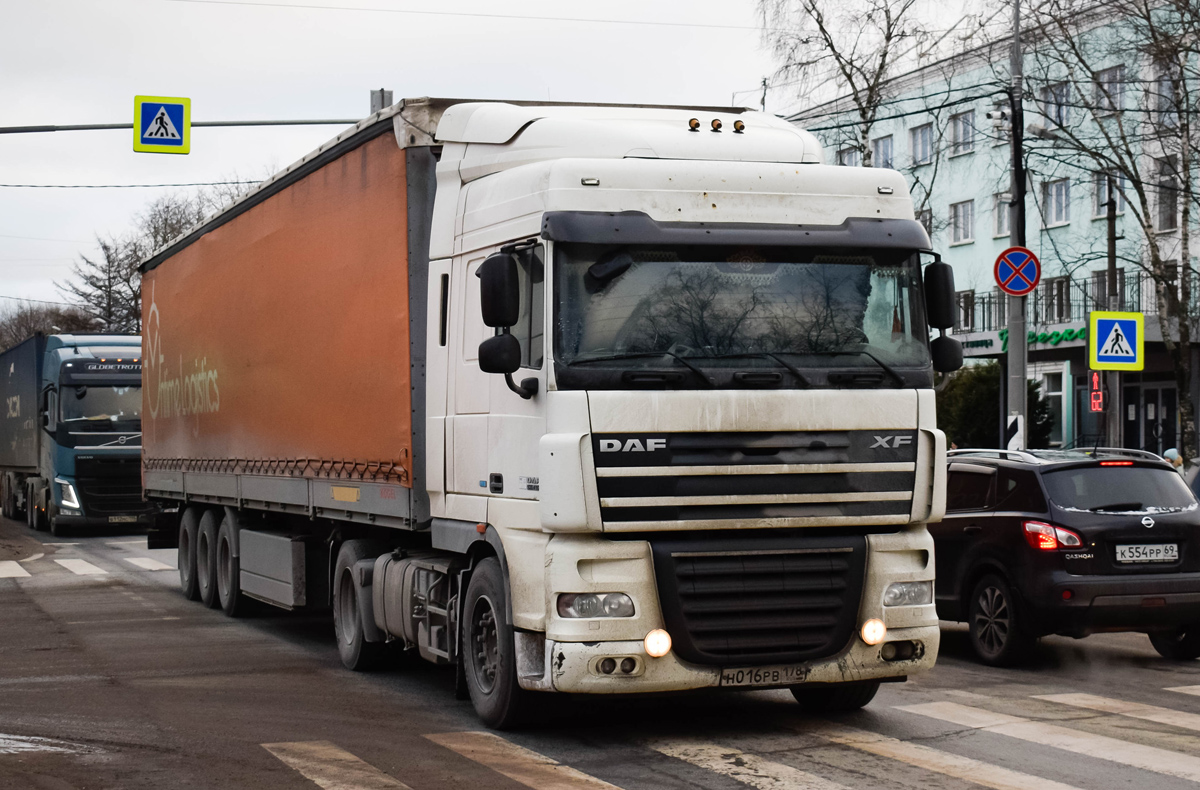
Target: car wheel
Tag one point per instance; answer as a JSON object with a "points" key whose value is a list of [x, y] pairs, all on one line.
{"points": [[1181, 644], [828, 698], [206, 558], [998, 636], [356, 652], [489, 651], [189, 527]]}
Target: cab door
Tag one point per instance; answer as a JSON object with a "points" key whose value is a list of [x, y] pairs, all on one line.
{"points": [[970, 498]]}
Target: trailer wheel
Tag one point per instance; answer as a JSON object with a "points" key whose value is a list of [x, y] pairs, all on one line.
{"points": [[356, 652], [206, 558], [189, 527], [229, 582], [488, 650]]}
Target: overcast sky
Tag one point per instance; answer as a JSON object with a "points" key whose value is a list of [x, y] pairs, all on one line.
{"points": [[82, 61]]}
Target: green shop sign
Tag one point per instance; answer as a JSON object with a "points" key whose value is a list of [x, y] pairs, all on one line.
{"points": [[1052, 338]]}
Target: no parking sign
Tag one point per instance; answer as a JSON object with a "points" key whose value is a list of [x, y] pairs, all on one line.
{"points": [[1018, 271]]}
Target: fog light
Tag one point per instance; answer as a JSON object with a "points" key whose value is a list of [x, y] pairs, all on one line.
{"points": [[628, 665], [658, 643], [873, 631], [897, 651], [608, 666]]}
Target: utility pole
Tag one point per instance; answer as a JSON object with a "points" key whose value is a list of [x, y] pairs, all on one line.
{"points": [[1112, 414], [1017, 345]]}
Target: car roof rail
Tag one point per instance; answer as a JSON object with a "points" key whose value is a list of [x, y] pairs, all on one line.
{"points": [[1017, 455], [1145, 455]]}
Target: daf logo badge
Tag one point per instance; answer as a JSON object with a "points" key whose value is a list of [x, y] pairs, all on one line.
{"points": [[1147, 522]]}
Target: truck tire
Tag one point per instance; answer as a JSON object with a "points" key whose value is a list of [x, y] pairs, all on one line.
{"points": [[356, 652], [36, 515], [488, 650], [229, 582], [1181, 644], [56, 529], [826, 698], [206, 558], [189, 529], [998, 633]]}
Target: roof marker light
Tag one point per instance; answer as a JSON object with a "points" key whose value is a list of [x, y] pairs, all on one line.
{"points": [[694, 124], [738, 127], [716, 124]]}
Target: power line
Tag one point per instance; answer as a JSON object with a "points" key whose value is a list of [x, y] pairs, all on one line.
{"points": [[917, 111], [37, 301], [39, 238], [124, 186], [475, 15]]}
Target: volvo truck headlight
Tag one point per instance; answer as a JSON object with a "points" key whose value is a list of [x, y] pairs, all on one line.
{"points": [[69, 498], [576, 605], [908, 594]]}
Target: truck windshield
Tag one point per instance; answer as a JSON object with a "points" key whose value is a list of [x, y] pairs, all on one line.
{"points": [[727, 309], [101, 404]]}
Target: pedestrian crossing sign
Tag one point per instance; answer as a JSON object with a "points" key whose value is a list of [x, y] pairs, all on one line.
{"points": [[1116, 341], [162, 125]]}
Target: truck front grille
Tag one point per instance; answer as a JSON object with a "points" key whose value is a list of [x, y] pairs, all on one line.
{"points": [[110, 486], [759, 479], [771, 600]]}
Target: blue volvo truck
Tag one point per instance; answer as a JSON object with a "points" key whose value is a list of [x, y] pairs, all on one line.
{"points": [[71, 436]]}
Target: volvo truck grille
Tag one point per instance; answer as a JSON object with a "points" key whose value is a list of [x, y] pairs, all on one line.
{"points": [[775, 479], [110, 486], [772, 600]]}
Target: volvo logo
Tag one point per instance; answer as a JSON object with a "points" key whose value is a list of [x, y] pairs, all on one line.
{"points": [[1147, 522], [122, 440]]}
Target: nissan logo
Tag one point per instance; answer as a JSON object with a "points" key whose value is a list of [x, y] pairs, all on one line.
{"points": [[1147, 522]]}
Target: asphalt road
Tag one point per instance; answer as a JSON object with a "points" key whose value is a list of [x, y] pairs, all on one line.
{"points": [[110, 679]]}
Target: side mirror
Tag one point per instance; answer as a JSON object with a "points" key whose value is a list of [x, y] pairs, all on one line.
{"points": [[947, 354], [499, 291], [49, 408], [939, 294], [502, 354]]}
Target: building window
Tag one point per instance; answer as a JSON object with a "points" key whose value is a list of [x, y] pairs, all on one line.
{"points": [[1055, 106], [962, 133], [1002, 213], [1110, 90], [849, 157], [922, 144], [962, 222], [1164, 99], [1052, 392], [1101, 180], [966, 311], [1167, 200], [1056, 298], [1100, 289], [881, 152], [925, 217], [1056, 202]]}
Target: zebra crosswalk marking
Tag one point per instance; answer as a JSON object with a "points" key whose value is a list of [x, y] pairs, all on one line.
{"points": [[746, 768], [11, 569], [1149, 758], [981, 773], [332, 768], [82, 567], [1134, 710], [518, 763], [149, 564], [1193, 690]]}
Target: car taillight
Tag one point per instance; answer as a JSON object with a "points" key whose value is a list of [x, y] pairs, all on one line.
{"points": [[1116, 463], [1048, 537]]}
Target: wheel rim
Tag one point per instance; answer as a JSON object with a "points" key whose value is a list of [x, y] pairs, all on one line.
{"points": [[484, 644], [186, 561], [347, 609], [993, 620]]}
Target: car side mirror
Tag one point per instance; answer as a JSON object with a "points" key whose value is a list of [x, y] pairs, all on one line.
{"points": [[939, 294], [947, 354], [502, 354], [499, 290]]}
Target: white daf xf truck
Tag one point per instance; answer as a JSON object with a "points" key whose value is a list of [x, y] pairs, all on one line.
{"points": [[573, 398]]}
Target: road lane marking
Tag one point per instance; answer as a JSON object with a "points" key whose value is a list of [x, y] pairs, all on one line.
{"points": [[332, 768], [81, 567], [60, 544], [745, 768], [141, 542], [11, 569], [149, 564], [1148, 758], [517, 763], [33, 557], [1193, 690], [1134, 710], [20, 744], [935, 760]]}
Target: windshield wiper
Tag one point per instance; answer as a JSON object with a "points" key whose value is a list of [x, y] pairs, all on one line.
{"points": [[1118, 506], [891, 371], [795, 371], [647, 355]]}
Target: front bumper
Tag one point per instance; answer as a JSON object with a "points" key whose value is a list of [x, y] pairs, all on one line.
{"points": [[574, 666], [1115, 603], [140, 521]]}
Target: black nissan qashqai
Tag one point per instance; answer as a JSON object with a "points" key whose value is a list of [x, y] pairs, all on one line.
{"points": [[1053, 542]]}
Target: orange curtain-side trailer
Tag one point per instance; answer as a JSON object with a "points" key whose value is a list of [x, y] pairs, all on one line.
{"points": [[277, 342]]}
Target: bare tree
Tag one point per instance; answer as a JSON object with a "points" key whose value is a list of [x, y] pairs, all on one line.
{"points": [[20, 321]]}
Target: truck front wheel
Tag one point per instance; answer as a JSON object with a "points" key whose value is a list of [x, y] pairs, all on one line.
{"points": [[488, 650], [189, 527], [206, 558]]}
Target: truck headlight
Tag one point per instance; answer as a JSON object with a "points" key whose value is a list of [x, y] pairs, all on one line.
{"points": [[67, 491], [576, 605], [908, 594]]}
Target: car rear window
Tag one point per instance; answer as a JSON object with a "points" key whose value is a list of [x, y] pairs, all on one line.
{"points": [[1118, 489]]}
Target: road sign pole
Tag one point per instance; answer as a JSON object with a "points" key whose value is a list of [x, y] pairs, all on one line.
{"points": [[1112, 415], [1017, 346]]}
